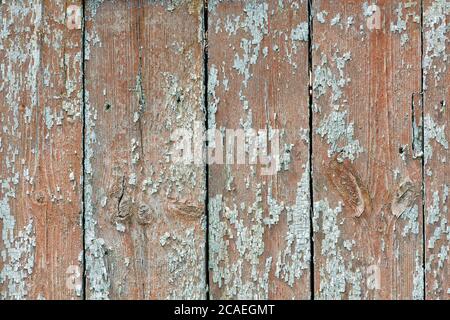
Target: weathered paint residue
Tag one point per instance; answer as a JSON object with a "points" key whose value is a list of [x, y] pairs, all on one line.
{"points": [[337, 275], [325, 78], [335, 127], [339, 135], [256, 24], [433, 131], [17, 254], [411, 216], [295, 258], [227, 223], [95, 248], [435, 37], [185, 265], [439, 239]]}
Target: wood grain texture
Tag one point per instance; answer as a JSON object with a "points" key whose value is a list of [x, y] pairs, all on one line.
{"points": [[259, 227], [96, 203], [40, 151], [436, 135], [367, 183], [145, 221]]}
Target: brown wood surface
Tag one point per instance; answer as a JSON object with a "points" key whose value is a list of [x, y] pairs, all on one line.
{"points": [[95, 94], [145, 221], [367, 183], [259, 228], [437, 155], [40, 151]]}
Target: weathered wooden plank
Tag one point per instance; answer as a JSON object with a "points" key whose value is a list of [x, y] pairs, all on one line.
{"points": [[40, 150], [145, 226], [259, 221], [367, 181], [437, 155]]}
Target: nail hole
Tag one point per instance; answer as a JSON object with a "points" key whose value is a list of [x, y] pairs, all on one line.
{"points": [[107, 106], [401, 150]]}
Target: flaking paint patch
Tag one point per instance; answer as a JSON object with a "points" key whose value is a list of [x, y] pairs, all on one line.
{"points": [[336, 276], [213, 99], [227, 273], [411, 216], [227, 223], [17, 254], [340, 136], [96, 270], [19, 77], [325, 78], [400, 25], [300, 32], [334, 127], [439, 239], [321, 16], [185, 265], [256, 25], [435, 38], [368, 10], [92, 6], [418, 279], [295, 258], [433, 131]]}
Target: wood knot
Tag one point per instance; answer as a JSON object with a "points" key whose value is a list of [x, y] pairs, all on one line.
{"points": [[344, 178], [403, 198], [184, 209], [145, 214], [39, 197], [123, 208]]}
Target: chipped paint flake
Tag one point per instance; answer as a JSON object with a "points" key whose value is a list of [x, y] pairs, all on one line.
{"points": [[17, 254], [435, 36], [432, 131], [340, 136]]}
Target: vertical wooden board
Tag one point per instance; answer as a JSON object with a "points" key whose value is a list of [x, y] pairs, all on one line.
{"points": [[40, 150], [259, 221], [436, 149], [145, 221], [367, 181]]}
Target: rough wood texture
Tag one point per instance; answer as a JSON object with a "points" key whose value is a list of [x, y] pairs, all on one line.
{"points": [[40, 151], [259, 228], [145, 226], [437, 155], [367, 183], [369, 85]]}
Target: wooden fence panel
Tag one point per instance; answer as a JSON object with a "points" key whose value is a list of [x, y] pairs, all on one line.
{"points": [[40, 150], [259, 221], [145, 221], [436, 135], [367, 168], [325, 175]]}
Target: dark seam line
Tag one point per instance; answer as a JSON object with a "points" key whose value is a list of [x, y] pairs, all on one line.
{"points": [[205, 101], [311, 189], [83, 86], [422, 100]]}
